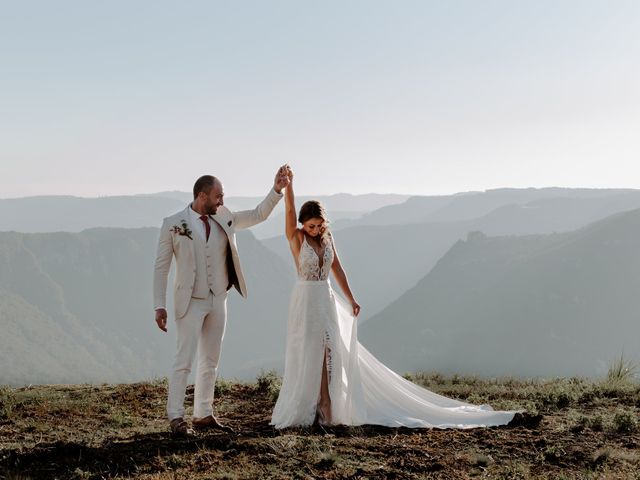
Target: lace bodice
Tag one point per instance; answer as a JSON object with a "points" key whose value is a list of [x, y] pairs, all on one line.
{"points": [[309, 267]]}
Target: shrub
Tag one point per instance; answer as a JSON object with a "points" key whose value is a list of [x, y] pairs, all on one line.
{"points": [[269, 383], [554, 454], [477, 399], [408, 376], [580, 423], [557, 397], [7, 401], [625, 422], [159, 382], [222, 386], [597, 423], [621, 370]]}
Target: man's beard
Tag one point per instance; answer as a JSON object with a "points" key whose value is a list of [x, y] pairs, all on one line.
{"points": [[210, 208]]}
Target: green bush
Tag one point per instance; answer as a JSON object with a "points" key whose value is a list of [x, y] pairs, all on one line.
{"points": [[7, 401], [579, 423], [222, 386], [622, 370], [596, 423], [269, 383], [558, 397], [625, 421]]}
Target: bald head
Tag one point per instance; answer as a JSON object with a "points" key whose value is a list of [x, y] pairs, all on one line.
{"points": [[204, 184], [208, 195]]}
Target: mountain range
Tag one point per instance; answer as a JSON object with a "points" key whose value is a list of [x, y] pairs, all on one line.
{"points": [[77, 307], [384, 259], [74, 214], [506, 281], [558, 304]]}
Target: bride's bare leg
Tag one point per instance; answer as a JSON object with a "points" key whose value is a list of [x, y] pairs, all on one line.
{"points": [[325, 400]]}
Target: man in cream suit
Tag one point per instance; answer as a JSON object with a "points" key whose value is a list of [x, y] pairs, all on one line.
{"points": [[202, 239]]}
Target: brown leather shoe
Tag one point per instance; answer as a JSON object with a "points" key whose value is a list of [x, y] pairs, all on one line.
{"points": [[180, 428], [210, 422]]}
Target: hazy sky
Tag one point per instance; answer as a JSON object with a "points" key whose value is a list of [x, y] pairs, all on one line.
{"points": [[424, 97]]}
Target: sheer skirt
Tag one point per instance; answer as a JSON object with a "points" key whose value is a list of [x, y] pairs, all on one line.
{"points": [[361, 388]]}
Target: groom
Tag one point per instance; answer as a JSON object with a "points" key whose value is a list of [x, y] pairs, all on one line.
{"points": [[202, 238]]}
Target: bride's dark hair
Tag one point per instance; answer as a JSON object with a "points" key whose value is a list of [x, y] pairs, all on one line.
{"points": [[314, 209]]}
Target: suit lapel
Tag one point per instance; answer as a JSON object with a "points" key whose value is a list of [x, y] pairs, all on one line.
{"points": [[187, 218], [224, 226]]}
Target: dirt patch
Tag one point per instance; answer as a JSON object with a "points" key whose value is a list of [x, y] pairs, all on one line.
{"points": [[115, 431]]}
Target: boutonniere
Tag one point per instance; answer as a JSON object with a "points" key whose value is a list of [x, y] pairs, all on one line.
{"points": [[184, 231]]}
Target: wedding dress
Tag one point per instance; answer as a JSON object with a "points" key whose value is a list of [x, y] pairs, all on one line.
{"points": [[362, 389]]}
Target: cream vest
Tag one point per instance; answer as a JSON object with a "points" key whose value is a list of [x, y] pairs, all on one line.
{"points": [[211, 263]]}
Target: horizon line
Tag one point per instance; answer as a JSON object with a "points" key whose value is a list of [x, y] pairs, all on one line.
{"points": [[460, 192]]}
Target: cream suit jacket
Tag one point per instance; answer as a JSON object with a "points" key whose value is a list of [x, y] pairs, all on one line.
{"points": [[172, 243]]}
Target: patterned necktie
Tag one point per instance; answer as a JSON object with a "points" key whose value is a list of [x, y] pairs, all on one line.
{"points": [[207, 227]]}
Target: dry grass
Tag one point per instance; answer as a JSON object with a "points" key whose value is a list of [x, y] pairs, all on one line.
{"points": [[589, 430]]}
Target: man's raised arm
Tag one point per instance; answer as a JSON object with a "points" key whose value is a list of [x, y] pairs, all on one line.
{"points": [[249, 218]]}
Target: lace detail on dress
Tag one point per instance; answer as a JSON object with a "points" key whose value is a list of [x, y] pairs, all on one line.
{"points": [[309, 267], [327, 355]]}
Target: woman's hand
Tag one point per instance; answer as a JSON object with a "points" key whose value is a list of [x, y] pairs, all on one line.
{"points": [[356, 308], [282, 179]]}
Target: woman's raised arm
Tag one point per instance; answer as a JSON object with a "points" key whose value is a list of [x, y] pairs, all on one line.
{"points": [[291, 223]]}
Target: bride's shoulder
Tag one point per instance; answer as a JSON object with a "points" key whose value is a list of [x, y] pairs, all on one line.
{"points": [[330, 239]]}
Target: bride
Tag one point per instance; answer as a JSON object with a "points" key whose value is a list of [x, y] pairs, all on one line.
{"points": [[329, 377]]}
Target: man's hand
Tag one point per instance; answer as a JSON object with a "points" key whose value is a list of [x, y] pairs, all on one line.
{"points": [[282, 179], [161, 319]]}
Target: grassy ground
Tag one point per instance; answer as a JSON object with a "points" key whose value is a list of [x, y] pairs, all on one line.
{"points": [[589, 430]]}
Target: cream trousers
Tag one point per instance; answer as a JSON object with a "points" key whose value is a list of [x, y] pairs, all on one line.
{"points": [[200, 331]]}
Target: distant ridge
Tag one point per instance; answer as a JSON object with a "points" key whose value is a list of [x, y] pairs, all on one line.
{"points": [[77, 307], [388, 251], [67, 213], [558, 304]]}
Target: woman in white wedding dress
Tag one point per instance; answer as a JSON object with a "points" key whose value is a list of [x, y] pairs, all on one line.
{"points": [[329, 377]]}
